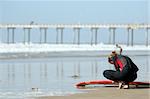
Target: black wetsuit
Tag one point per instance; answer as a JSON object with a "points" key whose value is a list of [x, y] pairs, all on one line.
{"points": [[125, 71]]}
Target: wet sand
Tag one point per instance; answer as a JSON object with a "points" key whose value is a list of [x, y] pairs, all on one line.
{"points": [[108, 93]]}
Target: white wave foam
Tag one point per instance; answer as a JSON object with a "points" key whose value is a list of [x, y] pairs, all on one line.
{"points": [[37, 48], [31, 95]]}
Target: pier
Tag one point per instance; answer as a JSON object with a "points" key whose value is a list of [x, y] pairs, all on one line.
{"points": [[95, 28]]}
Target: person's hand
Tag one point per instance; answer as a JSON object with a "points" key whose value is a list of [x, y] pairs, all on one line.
{"points": [[110, 60]]}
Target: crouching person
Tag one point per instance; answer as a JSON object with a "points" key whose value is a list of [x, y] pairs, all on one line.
{"points": [[125, 70]]}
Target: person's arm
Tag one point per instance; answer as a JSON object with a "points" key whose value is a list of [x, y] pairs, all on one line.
{"points": [[117, 68]]}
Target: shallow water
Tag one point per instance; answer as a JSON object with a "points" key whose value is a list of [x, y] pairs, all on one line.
{"points": [[52, 76]]}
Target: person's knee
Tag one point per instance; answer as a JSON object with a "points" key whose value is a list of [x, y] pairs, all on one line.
{"points": [[108, 74], [105, 73]]}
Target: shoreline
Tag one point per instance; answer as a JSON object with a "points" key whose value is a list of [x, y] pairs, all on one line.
{"points": [[37, 48], [10, 51], [107, 93], [70, 54]]}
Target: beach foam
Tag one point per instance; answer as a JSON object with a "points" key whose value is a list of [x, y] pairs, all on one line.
{"points": [[36, 48]]}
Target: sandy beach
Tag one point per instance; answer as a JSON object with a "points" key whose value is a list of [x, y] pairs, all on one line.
{"points": [[108, 93]]}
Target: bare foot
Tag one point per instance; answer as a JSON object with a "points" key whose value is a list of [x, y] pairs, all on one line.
{"points": [[120, 85], [126, 86]]}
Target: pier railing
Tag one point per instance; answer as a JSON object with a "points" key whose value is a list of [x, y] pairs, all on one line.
{"points": [[76, 27]]}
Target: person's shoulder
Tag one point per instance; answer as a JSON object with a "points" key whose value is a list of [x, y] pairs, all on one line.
{"points": [[127, 57], [123, 56]]}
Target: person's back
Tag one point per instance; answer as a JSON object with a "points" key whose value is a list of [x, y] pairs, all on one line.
{"points": [[133, 67]]}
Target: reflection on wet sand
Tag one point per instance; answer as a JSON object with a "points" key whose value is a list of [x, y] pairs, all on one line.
{"points": [[57, 73], [28, 71]]}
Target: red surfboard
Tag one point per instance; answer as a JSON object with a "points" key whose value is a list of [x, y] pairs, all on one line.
{"points": [[108, 82]]}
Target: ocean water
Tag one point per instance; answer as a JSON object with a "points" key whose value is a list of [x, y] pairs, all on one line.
{"points": [[27, 78]]}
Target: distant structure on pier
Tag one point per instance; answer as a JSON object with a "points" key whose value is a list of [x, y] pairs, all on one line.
{"points": [[76, 29]]}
